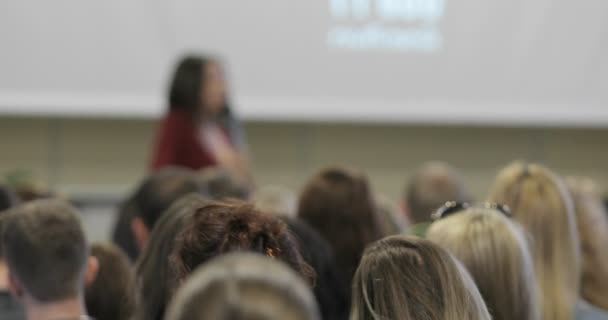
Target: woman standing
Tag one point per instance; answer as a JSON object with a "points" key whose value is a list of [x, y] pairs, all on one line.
{"points": [[199, 129]]}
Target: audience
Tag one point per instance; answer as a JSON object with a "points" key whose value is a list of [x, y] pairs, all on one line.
{"points": [[110, 296], [276, 200], [244, 287], [153, 271], [495, 252], [593, 232], [431, 186], [338, 204], [155, 194], [543, 206], [332, 298], [48, 259], [217, 228], [410, 278]]}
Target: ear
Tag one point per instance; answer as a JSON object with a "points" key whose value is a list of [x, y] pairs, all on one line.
{"points": [[15, 287], [140, 232], [92, 271]]}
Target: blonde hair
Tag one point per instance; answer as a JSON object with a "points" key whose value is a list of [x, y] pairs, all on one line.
{"points": [[411, 278], [495, 252], [543, 206], [244, 286], [593, 231]]}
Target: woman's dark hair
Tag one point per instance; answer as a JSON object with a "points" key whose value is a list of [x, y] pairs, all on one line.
{"points": [[331, 296], [188, 78], [221, 227], [152, 270], [338, 204], [111, 295]]}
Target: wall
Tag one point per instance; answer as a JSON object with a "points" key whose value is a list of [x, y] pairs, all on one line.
{"points": [[108, 157]]}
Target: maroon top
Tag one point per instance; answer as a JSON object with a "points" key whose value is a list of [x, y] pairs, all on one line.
{"points": [[178, 143]]}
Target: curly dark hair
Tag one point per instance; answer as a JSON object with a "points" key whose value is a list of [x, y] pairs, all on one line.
{"points": [[221, 227]]}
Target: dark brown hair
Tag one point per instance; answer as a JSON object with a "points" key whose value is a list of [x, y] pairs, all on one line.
{"points": [[338, 204], [153, 271], [222, 227], [110, 296], [46, 249]]}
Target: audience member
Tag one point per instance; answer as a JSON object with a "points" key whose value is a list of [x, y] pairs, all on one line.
{"points": [[332, 298], [339, 205], [217, 228], [153, 272], [48, 259], [431, 186], [200, 130], [543, 206], [593, 232], [10, 308], [154, 195], [244, 287], [110, 296], [220, 184], [410, 278], [495, 252], [391, 221]]}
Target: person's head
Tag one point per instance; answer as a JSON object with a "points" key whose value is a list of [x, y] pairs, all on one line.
{"points": [[8, 198], [156, 194], [244, 287], [593, 232], [219, 227], [495, 252], [431, 186], [153, 272], [331, 296], [198, 87], [411, 278], [46, 252], [110, 296], [220, 184], [338, 204], [541, 204]]}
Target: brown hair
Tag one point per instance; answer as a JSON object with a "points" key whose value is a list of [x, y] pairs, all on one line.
{"points": [[495, 252], [593, 232], [338, 204], [153, 271], [542, 205], [241, 286], [111, 296], [46, 249], [221, 227], [411, 278]]}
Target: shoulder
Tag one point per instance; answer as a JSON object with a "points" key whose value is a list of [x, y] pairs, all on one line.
{"points": [[176, 118]]}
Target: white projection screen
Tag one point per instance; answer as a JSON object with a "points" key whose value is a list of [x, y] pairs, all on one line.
{"points": [[530, 62]]}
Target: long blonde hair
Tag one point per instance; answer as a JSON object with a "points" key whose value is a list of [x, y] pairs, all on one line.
{"points": [[543, 206], [410, 278], [593, 231], [495, 252]]}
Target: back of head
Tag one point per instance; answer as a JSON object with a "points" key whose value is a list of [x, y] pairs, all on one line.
{"points": [[222, 227], [161, 189], [46, 250], [433, 185], [244, 287], [338, 204], [411, 278], [276, 200], [220, 184], [331, 296], [495, 252], [153, 272], [543, 206], [110, 295], [593, 232]]}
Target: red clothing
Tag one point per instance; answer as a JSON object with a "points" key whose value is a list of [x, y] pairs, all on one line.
{"points": [[178, 144]]}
